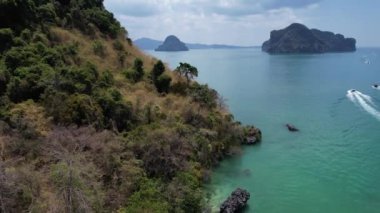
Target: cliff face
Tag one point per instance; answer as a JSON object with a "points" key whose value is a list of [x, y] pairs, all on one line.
{"points": [[172, 43], [297, 38]]}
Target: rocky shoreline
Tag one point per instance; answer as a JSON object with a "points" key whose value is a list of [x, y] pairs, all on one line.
{"points": [[236, 202]]}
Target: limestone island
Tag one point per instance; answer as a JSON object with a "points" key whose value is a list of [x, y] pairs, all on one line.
{"points": [[172, 44], [297, 38]]}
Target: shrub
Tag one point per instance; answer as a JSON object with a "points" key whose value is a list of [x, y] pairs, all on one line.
{"points": [[106, 79], [26, 35], [18, 42], [158, 69], [19, 189], [4, 79], [115, 110], [81, 80], [121, 57], [180, 87], [98, 48], [79, 109], [118, 46], [68, 182], [29, 82], [147, 199], [46, 13], [138, 68], [82, 110], [104, 20], [17, 13], [185, 193], [22, 56], [137, 72], [29, 119], [6, 38], [52, 57], [204, 95], [163, 83], [164, 150], [40, 37]]}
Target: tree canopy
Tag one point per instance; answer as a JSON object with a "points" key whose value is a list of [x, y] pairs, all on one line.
{"points": [[187, 70]]}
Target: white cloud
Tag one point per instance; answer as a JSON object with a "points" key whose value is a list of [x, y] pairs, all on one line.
{"points": [[208, 21]]}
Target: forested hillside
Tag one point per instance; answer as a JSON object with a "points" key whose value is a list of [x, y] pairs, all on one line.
{"points": [[88, 123]]}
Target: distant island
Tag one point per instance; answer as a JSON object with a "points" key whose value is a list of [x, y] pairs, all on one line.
{"points": [[172, 44], [297, 38], [151, 44]]}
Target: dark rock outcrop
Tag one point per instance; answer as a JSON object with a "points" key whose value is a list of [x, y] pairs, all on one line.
{"points": [[252, 135], [297, 38], [292, 128], [236, 202], [172, 43]]}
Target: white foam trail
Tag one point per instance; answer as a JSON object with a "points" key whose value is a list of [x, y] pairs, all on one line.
{"points": [[350, 96], [366, 98], [366, 106]]}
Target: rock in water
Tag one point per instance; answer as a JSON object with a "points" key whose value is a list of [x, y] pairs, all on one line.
{"points": [[292, 128], [236, 202], [297, 38], [172, 44], [252, 136]]}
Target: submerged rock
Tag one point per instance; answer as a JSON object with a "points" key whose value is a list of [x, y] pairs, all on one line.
{"points": [[236, 202], [297, 38]]}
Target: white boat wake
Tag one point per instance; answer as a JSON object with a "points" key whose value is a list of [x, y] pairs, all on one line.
{"points": [[364, 101], [365, 97]]}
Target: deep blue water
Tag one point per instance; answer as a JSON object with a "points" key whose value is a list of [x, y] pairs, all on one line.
{"points": [[333, 163]]}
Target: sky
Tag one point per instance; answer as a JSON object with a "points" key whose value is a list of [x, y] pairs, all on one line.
{"points": [[245, 22]]}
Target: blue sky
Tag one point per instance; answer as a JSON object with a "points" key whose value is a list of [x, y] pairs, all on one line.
{"points": [[245, 22]]}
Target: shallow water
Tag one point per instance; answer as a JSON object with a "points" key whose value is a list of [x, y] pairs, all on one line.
{"points": [[333, 163]]}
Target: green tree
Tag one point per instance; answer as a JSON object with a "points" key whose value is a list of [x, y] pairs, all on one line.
{"points": [[17, 13], [139, 69], [80, 109], [185, 69], [117, 112], [47, 13], [29, 82], [163, 83], [6, 38], [160, 80], [137, 72], [4, 78], [157, 70], [204, 95], [147, 199]]}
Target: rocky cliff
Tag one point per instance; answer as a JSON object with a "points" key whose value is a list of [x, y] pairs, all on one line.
{"points": [[297, 38]]}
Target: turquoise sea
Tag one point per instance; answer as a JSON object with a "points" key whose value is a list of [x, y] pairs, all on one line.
{"points": [[333, 163]]}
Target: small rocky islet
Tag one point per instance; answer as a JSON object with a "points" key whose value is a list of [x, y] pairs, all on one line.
{"points": [[172, 44]]}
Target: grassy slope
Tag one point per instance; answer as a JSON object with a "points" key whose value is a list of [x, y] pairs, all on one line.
{"points": [[157, 164]]}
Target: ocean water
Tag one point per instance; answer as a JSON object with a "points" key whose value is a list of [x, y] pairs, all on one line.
{"points": [[333, 163]]}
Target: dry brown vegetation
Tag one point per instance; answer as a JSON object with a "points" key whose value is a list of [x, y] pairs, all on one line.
{"points": [[83, 130]]}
